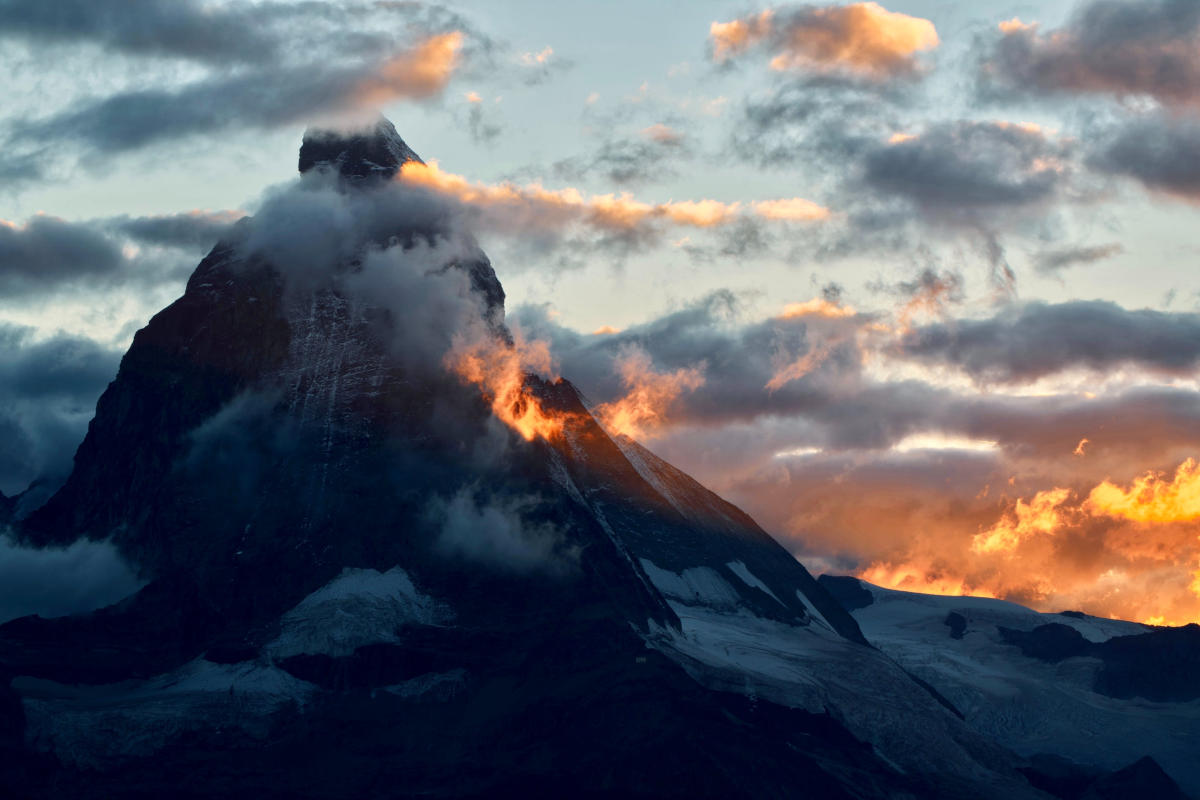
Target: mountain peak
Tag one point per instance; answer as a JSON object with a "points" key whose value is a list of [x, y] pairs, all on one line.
{"points": [[373, 151]]}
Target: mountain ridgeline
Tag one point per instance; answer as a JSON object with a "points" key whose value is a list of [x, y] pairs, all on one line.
{"points": [[360, 582]]}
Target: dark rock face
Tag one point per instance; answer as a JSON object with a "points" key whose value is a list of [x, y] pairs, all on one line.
{"points": [[1162, 665], [957, 624], [375, 153], [847, 590], [1052, 642], [1141, 779], [1070, 781]]}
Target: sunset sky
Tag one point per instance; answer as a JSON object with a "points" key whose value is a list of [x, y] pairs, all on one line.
{"points": [[912, 284]]}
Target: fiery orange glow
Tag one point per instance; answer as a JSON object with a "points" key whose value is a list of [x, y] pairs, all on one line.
{"points": [[862, 37], [499, 370], [613, 212], [1039, 516], [1130, 552], [1152, 498], [908, 578], [648, 395], [422, 71], [817, 307]]}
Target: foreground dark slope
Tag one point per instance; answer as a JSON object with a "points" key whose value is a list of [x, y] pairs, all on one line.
{"points": [[359, 583]]}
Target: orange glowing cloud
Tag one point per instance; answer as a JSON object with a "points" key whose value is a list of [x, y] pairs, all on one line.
{"points": [[732, 38], [864, 38], [648, 396], [1152, 498], [1040, 516], [500, 371], [818, 310], [817, 307], [793, 209], [534, 204], [1124, 551], [420, 72]]}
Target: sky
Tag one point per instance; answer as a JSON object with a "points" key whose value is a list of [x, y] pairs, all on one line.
{"points": [[911, 283]]}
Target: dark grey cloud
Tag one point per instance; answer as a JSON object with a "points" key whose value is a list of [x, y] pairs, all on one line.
{"points": [[48, 251], [1161, 152], [955, 171], [734, 421], [1029, 341], [176, 28], [265, 98], [1051, 262], [265, 64], [238, 32], [738, 360], [190, 230], [1117, 47], [47, 255], [815, 119], [501, 533], [48, 392], [54, 583]]}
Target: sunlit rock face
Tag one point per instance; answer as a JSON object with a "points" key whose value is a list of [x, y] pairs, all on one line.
{"points": [[362, 573]]}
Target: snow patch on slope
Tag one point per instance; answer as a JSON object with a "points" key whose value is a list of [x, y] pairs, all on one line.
{"points": [[696, 586], [816, 615], [740, 569], [359, 607]]}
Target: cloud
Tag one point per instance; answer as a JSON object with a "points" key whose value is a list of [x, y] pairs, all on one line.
{"points": [[55, 583], [863, 39], [216, 35], [956, 171], [171, 28], [1160, 152], [48, 393], [47, 251], [540, 66], [1118, 47], [191, 229], [482, 131], [648, 396], [267, 97], [47, 255], [549, 214], [500, 534], [1130, 552], [652, 155], [1051, 262], [1030, 341]]}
